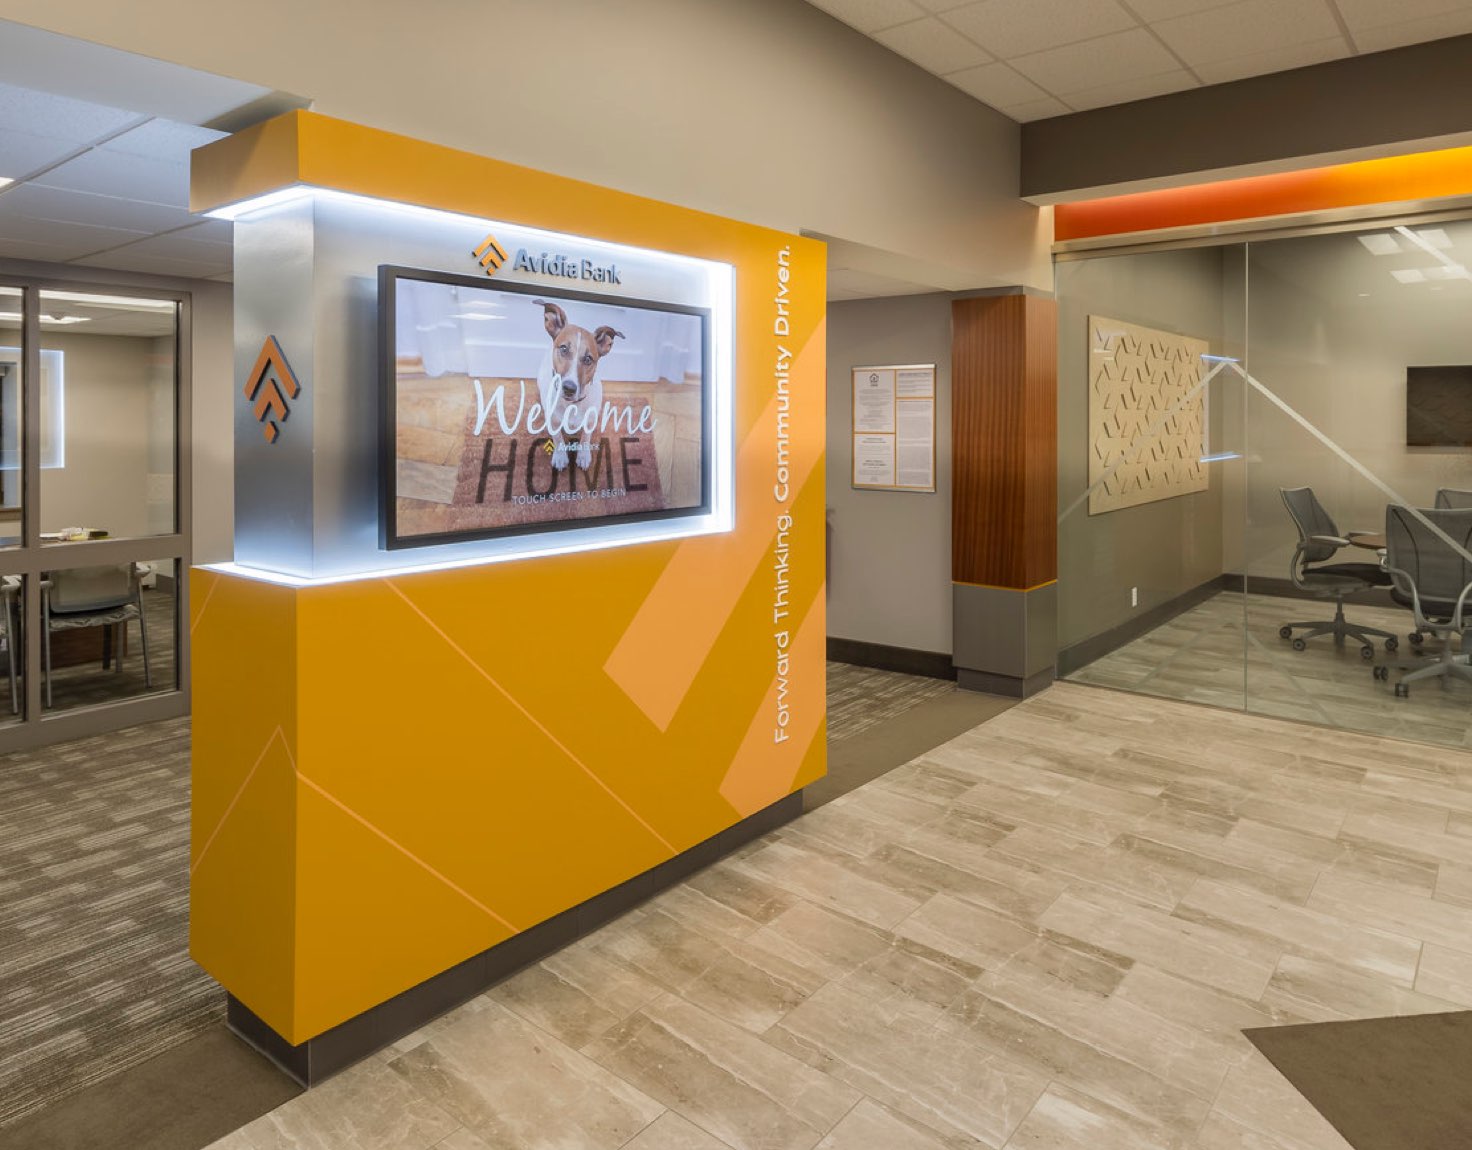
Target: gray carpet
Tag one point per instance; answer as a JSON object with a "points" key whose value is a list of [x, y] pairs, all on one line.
{"points": [[861, 697], [94, 971], [103, 1017]]}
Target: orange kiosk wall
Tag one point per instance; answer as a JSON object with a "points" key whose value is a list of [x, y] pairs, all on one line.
{"points": [[398, 772]]}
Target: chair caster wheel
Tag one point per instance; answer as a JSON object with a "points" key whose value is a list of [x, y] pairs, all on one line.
{"points": [[1416, 638], [1392, 643], [1402, 691], [1285, 632], [1299, 644], [1367, 652], [1381, 672]]}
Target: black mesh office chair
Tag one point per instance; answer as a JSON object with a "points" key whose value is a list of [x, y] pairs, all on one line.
{"points": [[1453, 499], [1426, 556], [1318, 541]]}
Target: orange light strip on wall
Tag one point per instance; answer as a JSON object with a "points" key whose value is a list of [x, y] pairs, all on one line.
{"points": [[1395, 179]]}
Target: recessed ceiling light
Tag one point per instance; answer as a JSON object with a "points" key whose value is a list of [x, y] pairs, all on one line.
{"points": [[1435, 237], [124, 303], [6, 181], [59, 320], [1409, 275], [1380, 244]]}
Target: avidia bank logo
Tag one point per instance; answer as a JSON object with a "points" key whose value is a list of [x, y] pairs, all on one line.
{"points": [[492, 257], [270, 384]]}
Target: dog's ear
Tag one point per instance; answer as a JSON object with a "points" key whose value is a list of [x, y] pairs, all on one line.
{"points": [[603, 337], [553, 316]]}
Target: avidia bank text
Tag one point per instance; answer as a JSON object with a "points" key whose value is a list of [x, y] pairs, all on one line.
{"points": [[557, 264]]}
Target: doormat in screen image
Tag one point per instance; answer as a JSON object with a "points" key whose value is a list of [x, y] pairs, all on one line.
{"points": [[515, 409]]}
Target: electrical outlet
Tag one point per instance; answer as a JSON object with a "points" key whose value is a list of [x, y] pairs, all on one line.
{"points": [[1134, 596]]}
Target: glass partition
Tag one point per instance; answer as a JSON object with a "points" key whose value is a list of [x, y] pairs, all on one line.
{"points": [[12, 397], [1150, 448], [107, 403], [1335, 386]]}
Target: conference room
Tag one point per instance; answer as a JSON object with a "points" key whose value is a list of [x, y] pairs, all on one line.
{"points": [[1265, 456]]}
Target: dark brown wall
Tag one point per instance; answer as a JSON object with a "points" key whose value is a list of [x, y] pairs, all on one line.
{"points": [[1004, 403], [1384, 98]]}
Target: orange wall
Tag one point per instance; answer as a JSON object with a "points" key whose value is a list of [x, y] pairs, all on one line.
{"points": [[393, 774]]}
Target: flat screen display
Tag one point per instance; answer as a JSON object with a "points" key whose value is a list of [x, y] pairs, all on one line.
{"points": [[513, 408], [1439, 406]]}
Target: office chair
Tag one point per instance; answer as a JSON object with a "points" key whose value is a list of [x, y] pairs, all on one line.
{"points": [[1434, 580], [93, 597], [1318, 541], [1450, 498]]}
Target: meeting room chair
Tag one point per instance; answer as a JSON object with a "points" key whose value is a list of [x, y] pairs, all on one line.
{"points": [[94, 597], [10, 626], [1319, 540], [1451, 498], [1427, 557]]}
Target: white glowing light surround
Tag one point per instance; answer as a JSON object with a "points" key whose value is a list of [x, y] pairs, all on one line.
{"points": [[717, 284]]}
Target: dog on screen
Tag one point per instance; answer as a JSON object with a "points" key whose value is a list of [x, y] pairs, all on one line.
{"points": [[568, 383]]}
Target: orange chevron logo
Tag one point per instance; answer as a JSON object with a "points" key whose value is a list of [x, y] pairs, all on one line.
{"points": [[269, 379], [491, 255]]}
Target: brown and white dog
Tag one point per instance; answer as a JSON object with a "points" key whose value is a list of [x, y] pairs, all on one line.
{"points": [[568, 382]]}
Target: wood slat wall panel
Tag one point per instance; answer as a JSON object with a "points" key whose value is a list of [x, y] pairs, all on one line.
{"points": [[1004, 421]]}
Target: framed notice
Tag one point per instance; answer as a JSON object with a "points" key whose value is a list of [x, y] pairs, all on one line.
{"points": [[894, 428]]}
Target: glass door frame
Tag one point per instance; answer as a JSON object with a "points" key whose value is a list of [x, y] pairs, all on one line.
{"points": [[34, 726]]}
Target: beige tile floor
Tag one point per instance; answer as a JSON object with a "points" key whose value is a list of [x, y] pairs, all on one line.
{"points": [[1227, 652], [1046, 934]]}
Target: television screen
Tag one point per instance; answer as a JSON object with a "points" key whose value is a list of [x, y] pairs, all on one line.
{"points": [[511, 408], [1439, 406]]}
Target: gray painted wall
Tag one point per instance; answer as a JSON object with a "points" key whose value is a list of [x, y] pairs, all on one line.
{"points": [[1163, 548], [890, 562]]}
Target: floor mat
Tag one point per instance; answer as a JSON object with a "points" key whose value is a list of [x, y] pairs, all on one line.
{"points": [[1383, 1083]]}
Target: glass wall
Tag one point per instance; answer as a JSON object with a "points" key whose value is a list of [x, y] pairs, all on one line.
{"points": [[1213, 401], [91, 551]]}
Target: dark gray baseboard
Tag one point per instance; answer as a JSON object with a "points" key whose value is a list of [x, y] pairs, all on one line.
{"points": [[905, 660], [1286, 589], [1081, 654], [319, 1058], [1008, 686]]}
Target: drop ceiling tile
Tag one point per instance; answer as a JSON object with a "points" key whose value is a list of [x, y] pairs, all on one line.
{"points": [[46, 203], [30, 250], [163, 140], [1413, 31], [1360, 15], [996, 84], [871, 15], [1247, 28], [1094, 63], [1134, 88], [124, 260], [57, 117], [119, 174], [1152, 10], [1008, 28], [1277, 60], [934, 46], [180, 246], [216, 231], [78, 239], [1030, 110], [22, 153]]}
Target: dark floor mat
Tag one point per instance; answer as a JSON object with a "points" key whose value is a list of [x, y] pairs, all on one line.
{"points": [[1383, 1083], [184, 1099]]}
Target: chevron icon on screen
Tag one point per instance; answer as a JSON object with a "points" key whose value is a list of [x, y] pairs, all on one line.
{"points": [[491, 255], [270, 385]]}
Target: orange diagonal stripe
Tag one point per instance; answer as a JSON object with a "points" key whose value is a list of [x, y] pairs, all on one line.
{"points": [[758, 776], [278, 733], [677, 625], [532, 719], [408, 854]]}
